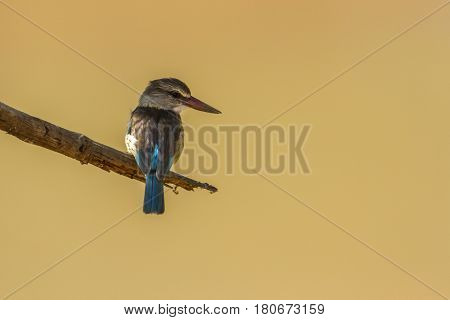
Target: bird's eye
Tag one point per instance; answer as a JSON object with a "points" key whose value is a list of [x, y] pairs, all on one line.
{"points": [[175, 94]]}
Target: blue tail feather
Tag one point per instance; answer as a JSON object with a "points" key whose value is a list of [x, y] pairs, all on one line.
{"points": [[154, 195]]}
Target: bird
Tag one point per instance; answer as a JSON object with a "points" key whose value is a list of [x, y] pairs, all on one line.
{"points": [[155, 134]]}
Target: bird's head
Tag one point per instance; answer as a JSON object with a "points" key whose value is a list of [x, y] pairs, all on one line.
{"points": [[171, 94]]}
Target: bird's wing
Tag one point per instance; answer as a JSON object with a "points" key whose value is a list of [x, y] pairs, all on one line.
{"points": [[169, 134], [179, 145], [144, 133]]}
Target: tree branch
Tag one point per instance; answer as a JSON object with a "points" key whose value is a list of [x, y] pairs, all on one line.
{"points": [[79, 147]]}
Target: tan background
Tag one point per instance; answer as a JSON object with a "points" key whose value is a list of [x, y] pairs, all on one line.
{"points": [[379, 150]]}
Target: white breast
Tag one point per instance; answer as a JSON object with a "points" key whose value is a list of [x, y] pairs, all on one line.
{"points": [[130, 142]]}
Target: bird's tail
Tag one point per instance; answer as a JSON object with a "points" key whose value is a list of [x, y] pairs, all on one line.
{"points": [[154, 195]]}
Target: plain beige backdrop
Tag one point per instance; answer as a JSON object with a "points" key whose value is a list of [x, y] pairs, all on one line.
{"points": [[379, 150]]}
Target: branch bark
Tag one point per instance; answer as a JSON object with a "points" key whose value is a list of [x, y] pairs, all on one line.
{"points": [[79, 147]]}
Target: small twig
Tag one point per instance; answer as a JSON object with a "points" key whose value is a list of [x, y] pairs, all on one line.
{"points": [[79, 147]]}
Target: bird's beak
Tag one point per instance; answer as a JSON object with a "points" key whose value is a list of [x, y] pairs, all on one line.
{"points": [[199, 105]]}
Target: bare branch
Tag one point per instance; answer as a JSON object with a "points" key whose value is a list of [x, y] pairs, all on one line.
{"points": [[79, 147]]}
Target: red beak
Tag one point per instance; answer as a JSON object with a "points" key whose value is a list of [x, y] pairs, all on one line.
{"points": [[199, 105]]}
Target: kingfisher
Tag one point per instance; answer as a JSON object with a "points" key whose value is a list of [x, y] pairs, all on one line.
{"points": [[155, 134]]}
